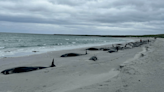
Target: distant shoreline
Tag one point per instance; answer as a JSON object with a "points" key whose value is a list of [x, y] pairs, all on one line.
{"points": [[155, 35], [146, 35]]}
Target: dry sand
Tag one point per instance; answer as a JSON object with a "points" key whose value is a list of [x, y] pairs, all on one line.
{"points": [[141, 71]]}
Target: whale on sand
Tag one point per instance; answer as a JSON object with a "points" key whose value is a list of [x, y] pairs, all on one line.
{"points": [[94, 58], [93, 49], [72, 54], [25, 69], [113, 50]]}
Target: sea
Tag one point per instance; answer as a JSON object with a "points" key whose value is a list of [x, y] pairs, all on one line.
{"points": [[21, 44]]}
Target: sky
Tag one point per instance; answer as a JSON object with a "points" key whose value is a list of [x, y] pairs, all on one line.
{"points": [[89, 17]]}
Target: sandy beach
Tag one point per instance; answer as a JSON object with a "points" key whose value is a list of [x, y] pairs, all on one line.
{"points": [[139, 69]]}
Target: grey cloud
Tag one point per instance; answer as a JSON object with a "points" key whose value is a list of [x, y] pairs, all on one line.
{"points": [[88, 10], [30, 19], [78, 14]]}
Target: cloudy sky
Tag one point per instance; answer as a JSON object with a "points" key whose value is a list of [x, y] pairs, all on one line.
{"points": [[97, 17]]}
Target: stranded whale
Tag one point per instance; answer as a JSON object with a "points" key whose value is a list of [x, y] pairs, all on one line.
{"points": [[93, 49], [94, 58], [24, 69], [73, 54]]}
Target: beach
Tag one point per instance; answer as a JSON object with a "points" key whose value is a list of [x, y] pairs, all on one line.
{"points": [[138, 69]]}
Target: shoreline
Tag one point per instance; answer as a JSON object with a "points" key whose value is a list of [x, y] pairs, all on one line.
{"points": [[46, 50], [71, 74]]}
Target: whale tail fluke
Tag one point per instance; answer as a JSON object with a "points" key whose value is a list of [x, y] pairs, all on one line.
{"points": [[53, 65]]}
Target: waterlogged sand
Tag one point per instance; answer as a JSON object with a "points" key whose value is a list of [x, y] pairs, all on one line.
{"points": [[131, 70]]}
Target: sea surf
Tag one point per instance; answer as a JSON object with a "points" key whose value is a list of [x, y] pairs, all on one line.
{"points": [[19, 44]]}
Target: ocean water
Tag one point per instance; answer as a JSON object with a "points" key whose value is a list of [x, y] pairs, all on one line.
{"points": [[16, 44]]}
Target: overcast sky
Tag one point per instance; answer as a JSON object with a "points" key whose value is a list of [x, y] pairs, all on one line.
{"points": [[100, 17]]}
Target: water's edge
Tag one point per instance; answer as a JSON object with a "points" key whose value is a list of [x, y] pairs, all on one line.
{"points": [[15, 45]]}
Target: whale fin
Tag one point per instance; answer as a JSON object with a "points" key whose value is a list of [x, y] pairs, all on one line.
{"points": [[53, 65], [86, 52]]}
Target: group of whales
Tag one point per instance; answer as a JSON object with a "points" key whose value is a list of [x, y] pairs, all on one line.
{"points": [[94, 58]]}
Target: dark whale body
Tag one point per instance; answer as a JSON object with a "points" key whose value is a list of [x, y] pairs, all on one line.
{"points": [[105, 49], [94, 58], [111, 51], [93, 49], [21, 70], [24, 69], [72, 54]]}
